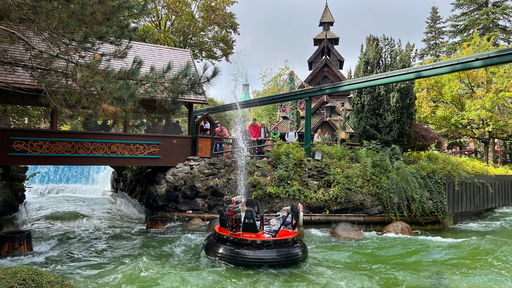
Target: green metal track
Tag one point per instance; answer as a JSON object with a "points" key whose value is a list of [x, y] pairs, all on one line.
{"points": [[481, 60]]}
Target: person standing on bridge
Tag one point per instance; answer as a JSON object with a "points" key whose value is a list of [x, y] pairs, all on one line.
{"points": [[254, 132], [221, 132], [262, 137]]}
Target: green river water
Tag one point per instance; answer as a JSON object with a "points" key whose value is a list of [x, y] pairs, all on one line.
{"points": [[97, 240]]}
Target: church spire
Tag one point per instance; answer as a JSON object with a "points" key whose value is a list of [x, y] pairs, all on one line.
{"points": [[326, 21]]}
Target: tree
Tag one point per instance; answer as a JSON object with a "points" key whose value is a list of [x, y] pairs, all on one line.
{"points": [[435, 36], [488, 17], [474, 104], [206, 27], [273, 83], [384, 113], [70, 47]]}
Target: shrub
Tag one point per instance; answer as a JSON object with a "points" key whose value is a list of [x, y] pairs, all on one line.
{"points": [[362, 178], [435, 163], [30, 277]]}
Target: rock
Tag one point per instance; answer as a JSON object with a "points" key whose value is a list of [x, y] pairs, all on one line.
{"points": [[193, 158], [212, 224], [398, 227], [208, 172], [189, 191], [346, 230], [186, 204], [374, 210], [195, 222]]}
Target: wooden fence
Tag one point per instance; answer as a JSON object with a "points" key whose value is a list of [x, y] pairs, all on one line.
{"points": [[478, 193]]}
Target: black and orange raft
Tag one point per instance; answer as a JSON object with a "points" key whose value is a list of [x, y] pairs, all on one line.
{"points": [[245, 239]]}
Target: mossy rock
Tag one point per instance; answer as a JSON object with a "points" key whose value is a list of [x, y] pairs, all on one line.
{"points": [[28, 277]]}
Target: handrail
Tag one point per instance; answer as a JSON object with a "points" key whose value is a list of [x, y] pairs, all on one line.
{"points": [[481, 60]]}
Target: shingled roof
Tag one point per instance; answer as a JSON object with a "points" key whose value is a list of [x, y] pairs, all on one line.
{"points": [[156, 56]]}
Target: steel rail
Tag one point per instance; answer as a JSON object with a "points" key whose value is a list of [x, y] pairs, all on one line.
{"points": [[481, 60]]}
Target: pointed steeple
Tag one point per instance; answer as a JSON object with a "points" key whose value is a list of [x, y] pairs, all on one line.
{"points": [[326, 62], [246, 95], [326, 20]]}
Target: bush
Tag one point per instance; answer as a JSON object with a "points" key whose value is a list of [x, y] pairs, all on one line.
{"points": [[435, 163], [28, 277], [356, 179]]}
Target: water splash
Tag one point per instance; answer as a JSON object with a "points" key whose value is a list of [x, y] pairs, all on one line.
{"points": [[240, 133], [242, 152]]}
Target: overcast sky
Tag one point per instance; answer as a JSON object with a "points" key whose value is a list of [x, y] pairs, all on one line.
{"points": [[272, 31]]}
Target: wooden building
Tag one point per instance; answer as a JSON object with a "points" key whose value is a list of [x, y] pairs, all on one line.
{"points": [[18, 87], [329, 112]]}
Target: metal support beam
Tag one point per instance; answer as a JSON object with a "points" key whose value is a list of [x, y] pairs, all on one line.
{"points": [[481, 60], [307, 128]]}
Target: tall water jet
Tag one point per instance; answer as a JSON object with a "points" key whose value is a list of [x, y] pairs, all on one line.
{"points": [[241, 140]]}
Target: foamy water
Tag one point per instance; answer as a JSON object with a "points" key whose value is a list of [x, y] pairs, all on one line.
{"points": [[100, 241]]}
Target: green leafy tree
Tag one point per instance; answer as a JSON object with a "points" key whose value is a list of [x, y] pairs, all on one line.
{"points": [[206, 27], [487, 17], [435, 36], [70, 47], [474, 104], [384, 113], [273, 83]]}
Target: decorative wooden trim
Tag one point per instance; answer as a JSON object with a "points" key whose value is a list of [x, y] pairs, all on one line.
{"points": [[31, 146]]}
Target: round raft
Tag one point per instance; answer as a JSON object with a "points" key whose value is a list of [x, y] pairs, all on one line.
{"points": [[250, 242]]}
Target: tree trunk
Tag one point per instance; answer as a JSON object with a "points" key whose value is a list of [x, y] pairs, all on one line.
{"points": [[492, 150], [486, 151], [126, 125], [500, 154]]}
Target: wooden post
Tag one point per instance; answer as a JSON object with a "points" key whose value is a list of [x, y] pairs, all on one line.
{"points": [[157, 222], [15, 243], [307, 128], [54, 119], [192, 129], [190, 117]]}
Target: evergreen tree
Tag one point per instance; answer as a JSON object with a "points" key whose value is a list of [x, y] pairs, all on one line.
{"points": [[384, 113], [435, 36], [489, 17], [69, 47]]}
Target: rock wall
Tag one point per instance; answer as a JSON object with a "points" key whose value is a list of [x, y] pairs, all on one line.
{"points": [[197, 184], [201, 185], [12, 188]]}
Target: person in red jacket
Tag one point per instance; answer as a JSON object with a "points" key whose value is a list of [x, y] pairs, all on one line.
{"points": [[254, 132]]}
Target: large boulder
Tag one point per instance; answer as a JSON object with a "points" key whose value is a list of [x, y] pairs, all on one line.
{"points": [[398, 227], [346, 230], [195, 222]]}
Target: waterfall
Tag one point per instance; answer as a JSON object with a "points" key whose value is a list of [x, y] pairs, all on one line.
{"points": [[84, 181], [86, 175]]}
